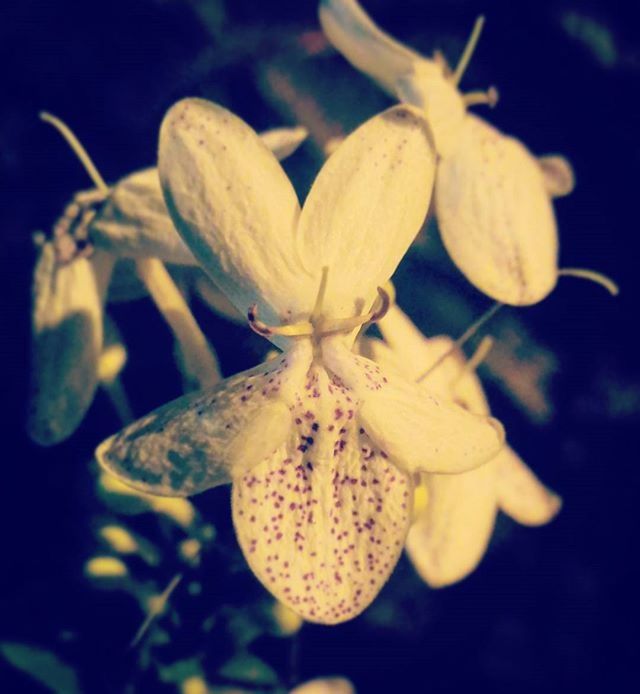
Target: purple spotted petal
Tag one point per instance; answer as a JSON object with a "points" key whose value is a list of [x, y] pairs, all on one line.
{"points": [[323, 521]]}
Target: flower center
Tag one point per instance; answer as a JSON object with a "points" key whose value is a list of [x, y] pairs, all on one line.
{"points": [[318, 325]]}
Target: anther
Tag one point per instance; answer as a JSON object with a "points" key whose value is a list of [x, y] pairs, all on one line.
{"points": [[490, 97]]}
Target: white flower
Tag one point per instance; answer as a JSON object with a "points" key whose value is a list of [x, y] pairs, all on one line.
{"points": [[452, 528], [320, 444], [492, 196], [89, 258]]}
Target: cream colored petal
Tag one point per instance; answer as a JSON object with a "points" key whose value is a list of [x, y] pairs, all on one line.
{"points": [[427, 88], [235, 208], [449, 379], [521, 495], [366, 207], [197, 441], [411, 364], [323, 521], [134, 222], [325, 685], [406, 341], [418, 431], [559, 178], [67, 329], [450, 537], [284, 141], [495, 216], [363, 44]]}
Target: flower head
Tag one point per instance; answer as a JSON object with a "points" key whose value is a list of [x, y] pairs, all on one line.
{"points": [[492, 196], [320, 444], [451, 530]]}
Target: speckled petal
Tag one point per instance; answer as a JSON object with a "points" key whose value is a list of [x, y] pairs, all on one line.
{"points": [[235, 208], [495, 216], [450, 537], [418, 431], [67, 331], [363, 44], [322, 522], [521, 495], [197, 441], [366, 207]]}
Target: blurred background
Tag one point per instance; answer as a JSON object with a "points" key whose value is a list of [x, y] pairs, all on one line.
{"points": [[548, 608]]}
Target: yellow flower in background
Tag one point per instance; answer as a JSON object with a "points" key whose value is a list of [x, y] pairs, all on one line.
{"points": [[454, 523], [320, 444]]}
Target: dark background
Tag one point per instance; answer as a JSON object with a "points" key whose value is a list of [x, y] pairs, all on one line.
{"points": [[551, 609]]}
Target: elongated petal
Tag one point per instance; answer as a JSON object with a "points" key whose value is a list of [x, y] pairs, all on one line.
{"points": [[418, 431], [196, 442], [366, 207], [559, 177], [67, 340], [363, 44], [134, 222], [521, 495], [284, 141], [234, 207], [450, 537], [495, 216], [323, 521]]}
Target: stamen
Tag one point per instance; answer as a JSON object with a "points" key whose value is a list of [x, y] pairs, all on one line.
{"points": [[474, 362], [469, 332], [483, 349], [301, 329], [468, 50], [345, 325], [490, 98], [322, 290], [592, 276], [78, 150], [317, 325]]}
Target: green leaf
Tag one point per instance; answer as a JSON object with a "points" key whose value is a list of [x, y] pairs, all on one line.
{"points": [[43, 666]]}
